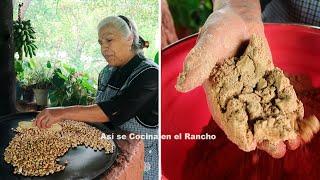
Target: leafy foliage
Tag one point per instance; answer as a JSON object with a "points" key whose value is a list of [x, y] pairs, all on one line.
{"points": [[67, 29], [35, 74], [67, 38], [156, 58], [66, 85], [71, 88], [24, 39], [190, 14], [24, 45]]}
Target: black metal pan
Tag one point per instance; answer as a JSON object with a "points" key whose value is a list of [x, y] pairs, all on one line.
{"points": [[83, 163]]}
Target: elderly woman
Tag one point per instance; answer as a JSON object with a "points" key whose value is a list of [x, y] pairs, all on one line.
{"points": [[127, 94]]}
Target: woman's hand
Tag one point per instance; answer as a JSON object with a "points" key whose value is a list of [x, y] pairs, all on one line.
{"points": [[226, 31], [49, 116], [90, 113], [228, 28]]}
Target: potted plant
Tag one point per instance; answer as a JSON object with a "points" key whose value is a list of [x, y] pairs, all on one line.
{"points": [[23, 68], [40, 79], [71, 87]]}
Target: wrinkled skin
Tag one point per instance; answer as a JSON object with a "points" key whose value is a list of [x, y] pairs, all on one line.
{"points": [[221, 37], [49, 116]]}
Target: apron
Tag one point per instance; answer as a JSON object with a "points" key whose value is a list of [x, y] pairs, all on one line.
{"points": [[106, 92], [296, 11]]}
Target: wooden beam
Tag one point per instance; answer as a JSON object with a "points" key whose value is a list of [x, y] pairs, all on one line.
{"points": [[7, 74]]}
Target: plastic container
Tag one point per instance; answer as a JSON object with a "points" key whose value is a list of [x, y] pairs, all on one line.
{"points": [[295, 49]]}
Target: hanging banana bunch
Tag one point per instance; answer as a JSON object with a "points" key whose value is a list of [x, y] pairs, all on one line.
{"points": [[24, 37]]}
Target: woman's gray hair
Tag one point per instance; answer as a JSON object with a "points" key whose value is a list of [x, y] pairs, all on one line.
{"points": [[127, 27]]}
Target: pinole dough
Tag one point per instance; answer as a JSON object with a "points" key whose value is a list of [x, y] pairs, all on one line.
{"points": [[29, 125], [254, 99]]}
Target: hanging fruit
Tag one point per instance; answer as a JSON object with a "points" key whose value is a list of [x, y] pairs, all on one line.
{"points": [[24, 37]]}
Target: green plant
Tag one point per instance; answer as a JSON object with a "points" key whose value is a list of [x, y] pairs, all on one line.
{"points": [[61, 34], [156, 58], [71, 88], [22, 67], [24, 44], [190, 14], [24, 37], [38, 75]]}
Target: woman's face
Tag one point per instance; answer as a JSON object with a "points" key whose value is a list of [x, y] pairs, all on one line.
{"points": [[115, 47]]}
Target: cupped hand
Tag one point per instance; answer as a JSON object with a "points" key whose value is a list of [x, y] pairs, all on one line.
{"points": [[225, 33], [49, 116]]}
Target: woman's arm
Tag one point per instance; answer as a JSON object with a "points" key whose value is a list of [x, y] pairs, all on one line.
{"points": [[91, 113], [248, 10], [226, 31], [247, 6], [85, 113], [117, 110]]}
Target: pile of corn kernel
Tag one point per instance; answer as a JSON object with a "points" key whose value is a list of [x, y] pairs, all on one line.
{"points": [[36, 152]]}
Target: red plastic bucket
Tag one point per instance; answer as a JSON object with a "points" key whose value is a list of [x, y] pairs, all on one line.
{"points": [[295, 49]]}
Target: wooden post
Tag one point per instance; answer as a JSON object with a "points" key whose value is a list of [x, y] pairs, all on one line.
{"points": [[7, 73]]}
